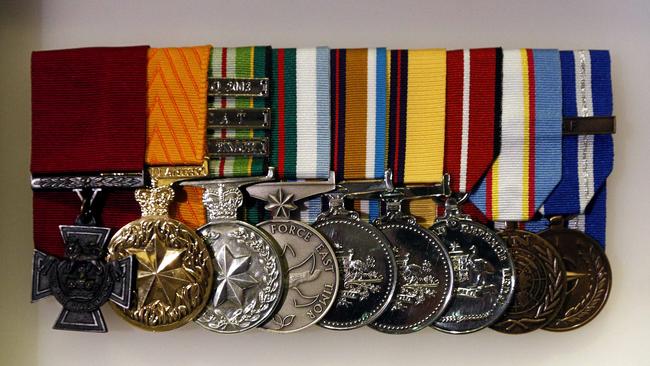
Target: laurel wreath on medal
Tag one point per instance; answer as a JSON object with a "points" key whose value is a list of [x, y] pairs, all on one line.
{"points": [[188, 299], [594, 298], [553, 299], [252, 312]]}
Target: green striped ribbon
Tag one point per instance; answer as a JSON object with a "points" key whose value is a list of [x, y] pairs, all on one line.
{"points": [[240, 62]]}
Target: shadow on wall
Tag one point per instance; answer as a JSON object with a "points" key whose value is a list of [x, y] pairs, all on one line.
{"points": [[20, 33]]}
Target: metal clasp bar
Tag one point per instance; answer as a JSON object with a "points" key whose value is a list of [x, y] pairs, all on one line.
{"points": [[238, 87], [102, 180], [249, 118], [255, 147], [588, 125]]}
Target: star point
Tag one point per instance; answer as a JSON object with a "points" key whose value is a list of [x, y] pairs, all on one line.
{"points": [[280, 204], [160, 271], [233, 277]]}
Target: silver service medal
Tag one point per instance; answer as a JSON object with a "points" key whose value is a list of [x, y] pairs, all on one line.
{"points": [[367, 267], [484, 276], [312, 270]]}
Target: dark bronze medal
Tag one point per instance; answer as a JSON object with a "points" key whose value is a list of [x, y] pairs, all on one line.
{"points": [[588, 275], [541, 282], [83, 281]]}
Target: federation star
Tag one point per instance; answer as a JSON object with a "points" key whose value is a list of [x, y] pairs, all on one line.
{"points": [[280, 205], [233, 278], [160, 272]]}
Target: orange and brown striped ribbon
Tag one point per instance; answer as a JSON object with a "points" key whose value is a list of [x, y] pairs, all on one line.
{"points": [[176, 118], [358, 113]]}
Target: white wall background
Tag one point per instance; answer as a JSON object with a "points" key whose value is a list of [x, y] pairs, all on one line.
{"points": [[617, 336]]}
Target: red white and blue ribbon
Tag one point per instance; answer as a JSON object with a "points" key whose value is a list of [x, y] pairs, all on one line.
{"points": [[529, 165], [473, 121]]}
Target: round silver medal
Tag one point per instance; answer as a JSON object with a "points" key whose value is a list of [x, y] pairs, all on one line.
{"points": [[248, 269], [367, 268], [484, 276], [248, 277], [424, 280], [312, 274], [312, 271]]}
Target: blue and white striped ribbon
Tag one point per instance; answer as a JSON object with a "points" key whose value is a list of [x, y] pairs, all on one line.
{"points": [[587, 160], [313, 120]]}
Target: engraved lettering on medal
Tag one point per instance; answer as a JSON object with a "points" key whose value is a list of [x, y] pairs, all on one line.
{"points": [[291, 229], [325, 257], [323, 302]]}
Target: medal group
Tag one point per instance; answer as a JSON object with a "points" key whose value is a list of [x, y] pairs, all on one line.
{"points": [[255, 187]]}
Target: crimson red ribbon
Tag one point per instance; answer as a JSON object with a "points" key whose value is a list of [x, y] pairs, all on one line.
{"points": [[89, 112], [473, 123]]}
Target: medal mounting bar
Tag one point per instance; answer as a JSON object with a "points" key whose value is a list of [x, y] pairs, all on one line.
{"points": [[282, 195], [254, 147], [168, 175], [246, 118], [589, 125], [373, 189], [238, 87], [102, 180]]}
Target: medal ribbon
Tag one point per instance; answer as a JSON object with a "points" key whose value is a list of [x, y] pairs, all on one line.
{"points": [[587, 160], [358, 104], [594, 220], [176, 120], [595, 153], [300, 96], [417, 121], [88, 117], [529, 164], [473, 125], [239, 62]]}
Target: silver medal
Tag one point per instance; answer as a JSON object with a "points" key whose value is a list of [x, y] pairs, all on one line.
{"points": [[312, 270], [248, 269], [425, 277], [484, 276], [367, 267]]}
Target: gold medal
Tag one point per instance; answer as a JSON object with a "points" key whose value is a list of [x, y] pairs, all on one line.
{"points": [[174, 275]]}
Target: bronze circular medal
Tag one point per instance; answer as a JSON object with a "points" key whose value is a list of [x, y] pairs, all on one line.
{"points": [[540, 286], [588, 277]]}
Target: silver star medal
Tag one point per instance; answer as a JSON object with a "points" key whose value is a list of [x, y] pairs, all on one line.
{"points": [[249, 272]]}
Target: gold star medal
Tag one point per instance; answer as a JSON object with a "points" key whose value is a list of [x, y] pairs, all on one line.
{"points": [[174, 271]]}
